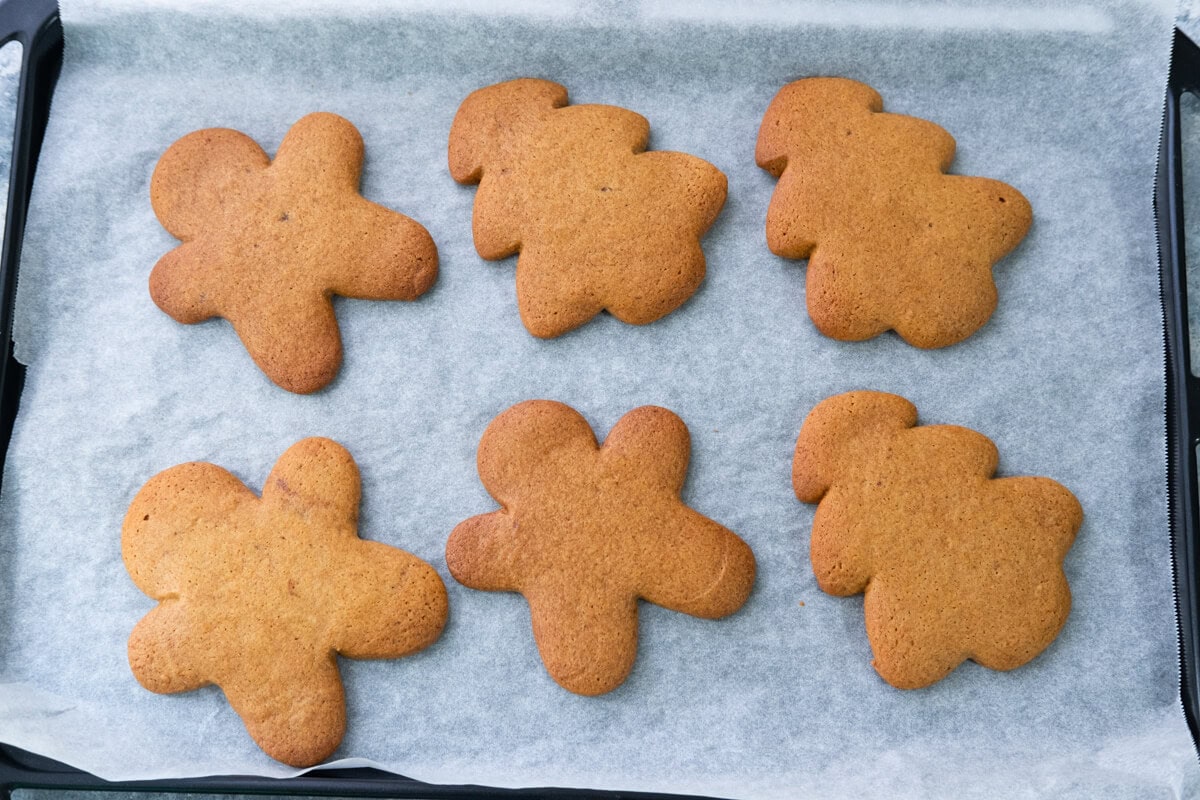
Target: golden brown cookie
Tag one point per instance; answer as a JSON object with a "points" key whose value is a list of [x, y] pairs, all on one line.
{"points": [[599, 223], [267, 243], [585, 531], [892, 242], [259, 596], [953, 564]]}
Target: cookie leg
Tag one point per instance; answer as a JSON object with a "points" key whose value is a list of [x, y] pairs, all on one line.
{"points": [[292, 704], [587, 639], [842, 303], [906, 656], [551, 297], [295, 341]]}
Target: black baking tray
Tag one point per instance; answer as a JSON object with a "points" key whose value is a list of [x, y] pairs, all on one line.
{"points": [[36, 25], [1183, 387]]}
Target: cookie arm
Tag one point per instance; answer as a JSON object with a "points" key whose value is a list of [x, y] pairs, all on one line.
{"points": [[586, 128], [700, 189], [162, 656], [393, 257], [695, 566], [484, 552], [791, 231], [179, 283], [995, 200], [1042, 505], [840, 544], [497, 215], [771, 147], [398, 607]]}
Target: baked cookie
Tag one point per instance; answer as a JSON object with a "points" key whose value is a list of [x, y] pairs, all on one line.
{"points": [[267, 243], [585, 531], [599, 223], [258, 596], [892, 242], [953, 564]]}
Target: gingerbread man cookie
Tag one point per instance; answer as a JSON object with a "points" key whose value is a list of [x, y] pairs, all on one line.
{"points": [[267, 243], [892, 242], [599, 223], [259, 596], [585, 531], [953, 563]]}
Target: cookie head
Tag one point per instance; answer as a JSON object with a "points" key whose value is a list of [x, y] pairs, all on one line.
{"points": [[197, 173], [954, 564], [260, 595], [600, 224], [484, 128], [266, 244], [892, 241], [585, 531]]}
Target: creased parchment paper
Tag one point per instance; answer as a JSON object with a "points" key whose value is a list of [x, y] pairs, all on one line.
{"points": [[1061, 100]]}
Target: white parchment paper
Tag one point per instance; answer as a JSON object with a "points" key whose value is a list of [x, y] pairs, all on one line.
{"points": [[1059, 99]]}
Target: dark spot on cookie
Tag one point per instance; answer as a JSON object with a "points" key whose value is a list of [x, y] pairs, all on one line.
{"points": [[605, 189], [146, 518], [1002, 200], [284, 217]]}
